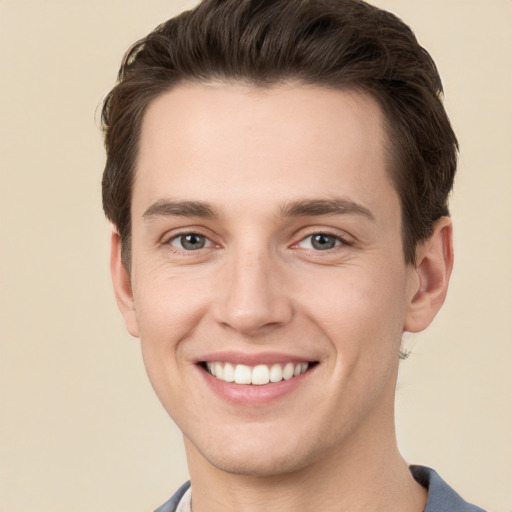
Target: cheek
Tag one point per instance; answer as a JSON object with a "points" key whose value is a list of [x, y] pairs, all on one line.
{"points": [[362, 317], [167, 306], [169, 311], [362, 310]]}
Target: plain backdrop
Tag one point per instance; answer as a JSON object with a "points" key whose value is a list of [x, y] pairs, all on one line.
{"points": [[80, 428]]}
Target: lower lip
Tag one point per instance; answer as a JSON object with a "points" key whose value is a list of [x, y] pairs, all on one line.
{"points": [[250, 394]]}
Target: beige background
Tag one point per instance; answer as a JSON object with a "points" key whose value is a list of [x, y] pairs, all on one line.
{"points": [[80, 429]]}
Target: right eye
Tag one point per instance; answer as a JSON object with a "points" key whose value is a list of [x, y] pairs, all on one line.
{"points": [[320, 242], [190, 242]]}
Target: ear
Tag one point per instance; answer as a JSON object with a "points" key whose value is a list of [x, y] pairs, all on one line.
{"points": [[122, 286], [434, 262]]}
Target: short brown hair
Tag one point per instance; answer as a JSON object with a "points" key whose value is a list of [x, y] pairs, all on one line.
{"points": [[341, 44]]}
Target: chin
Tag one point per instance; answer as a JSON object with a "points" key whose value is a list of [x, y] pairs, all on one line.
{"points": [[259, 457], [258, 465]]}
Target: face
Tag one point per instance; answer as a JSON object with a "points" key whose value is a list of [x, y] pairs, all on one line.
{"points": [[268, 285]]}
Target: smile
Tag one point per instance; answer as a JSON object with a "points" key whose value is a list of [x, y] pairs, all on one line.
{"points": [[258, 375]]}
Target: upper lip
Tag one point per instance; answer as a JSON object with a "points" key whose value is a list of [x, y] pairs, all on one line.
{"points": [[253, 359]]}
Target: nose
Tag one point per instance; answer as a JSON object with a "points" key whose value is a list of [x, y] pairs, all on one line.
{"points": [[253, 298]]}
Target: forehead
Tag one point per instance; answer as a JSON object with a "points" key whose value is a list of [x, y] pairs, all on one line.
{"points": [[224, 139]]}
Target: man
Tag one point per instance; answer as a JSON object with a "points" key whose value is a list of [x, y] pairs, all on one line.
{"points": [[277, 177]]}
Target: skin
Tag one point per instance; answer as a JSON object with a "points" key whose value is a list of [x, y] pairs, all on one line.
{"points": [[251, 161]]}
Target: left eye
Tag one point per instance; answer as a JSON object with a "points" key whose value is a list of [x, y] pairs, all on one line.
{"points": [[320, 242], [190, 242]]}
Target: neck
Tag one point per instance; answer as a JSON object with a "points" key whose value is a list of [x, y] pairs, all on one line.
{"points": [[366, 474]]}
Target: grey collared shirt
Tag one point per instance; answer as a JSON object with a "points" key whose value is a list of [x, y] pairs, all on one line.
{"points": [[441, 497]]}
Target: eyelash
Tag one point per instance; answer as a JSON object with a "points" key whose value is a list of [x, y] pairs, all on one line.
{"points": [[339, 241], [181, 236]]}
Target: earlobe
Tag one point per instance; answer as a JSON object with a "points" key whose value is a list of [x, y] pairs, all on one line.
{"points": [[122, 285], [434, 262]]}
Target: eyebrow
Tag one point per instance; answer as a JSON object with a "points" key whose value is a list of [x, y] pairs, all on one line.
{"points": [[315, 207], [169, 208], [300, 208]]}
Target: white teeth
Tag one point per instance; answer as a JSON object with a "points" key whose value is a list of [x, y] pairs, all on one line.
{"points": [[276, 373], [229, 373], [288, 371], [258, 375], [243, 374], [218, 370]]}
